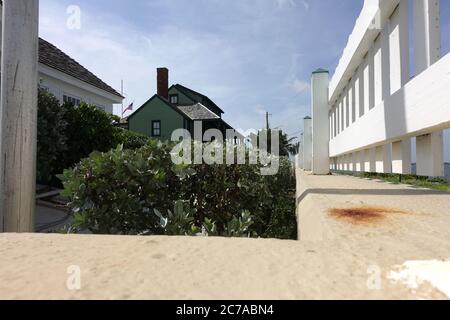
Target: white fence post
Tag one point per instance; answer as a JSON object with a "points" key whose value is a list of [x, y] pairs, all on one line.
{"points": [[18, 112], [427, 50], [320, 122], [307, 144]]}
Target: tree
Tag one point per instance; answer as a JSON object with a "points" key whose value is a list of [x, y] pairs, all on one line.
{"points": [[286, 145]]}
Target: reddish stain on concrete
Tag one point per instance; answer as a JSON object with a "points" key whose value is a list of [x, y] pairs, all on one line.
{"points": [[362, 214]]}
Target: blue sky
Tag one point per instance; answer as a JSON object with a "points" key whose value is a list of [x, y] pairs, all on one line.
{"points": [[249, 56]]}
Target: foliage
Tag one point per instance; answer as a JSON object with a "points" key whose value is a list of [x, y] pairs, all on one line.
{"points": [[68, 133], [117, 191], [286, 145], [50, 136], [131, 140], [180, 222], [439, 184], [132, 192], [88, 129]]}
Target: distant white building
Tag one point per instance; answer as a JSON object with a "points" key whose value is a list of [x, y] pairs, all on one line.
{"points": [[69, 81]]}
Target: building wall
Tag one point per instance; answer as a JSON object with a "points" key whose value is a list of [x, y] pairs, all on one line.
{"points": [[60, 84], [59, 88], [182, 98], [154, 110]]}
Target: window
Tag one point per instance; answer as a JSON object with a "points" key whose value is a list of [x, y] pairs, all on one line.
{"points": [[174, 99], [156, 128], [72, 100]]}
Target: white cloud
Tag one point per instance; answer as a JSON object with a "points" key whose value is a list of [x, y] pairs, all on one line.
{"points": [[305, 4], [289, 3], [300, 86]]}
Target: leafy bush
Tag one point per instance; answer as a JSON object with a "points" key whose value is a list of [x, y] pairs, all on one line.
{"points": [[131, 140], [117, 191], [68, 133], [132, 192], [50, 136], [88, 129]]}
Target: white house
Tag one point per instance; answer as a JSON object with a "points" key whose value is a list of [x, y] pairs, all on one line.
{"points": [[68, 80]]}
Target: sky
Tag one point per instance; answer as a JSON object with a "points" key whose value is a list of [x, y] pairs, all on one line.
{"points": [[248, 56]]}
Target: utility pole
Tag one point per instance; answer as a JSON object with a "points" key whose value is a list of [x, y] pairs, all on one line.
{"points": [[267, 121], [18, 115]]}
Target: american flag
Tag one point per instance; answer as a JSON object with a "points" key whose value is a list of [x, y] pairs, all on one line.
{"points": [[129, 108]]}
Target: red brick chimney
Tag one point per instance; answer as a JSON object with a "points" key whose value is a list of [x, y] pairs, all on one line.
{"points": [[163, 82]]}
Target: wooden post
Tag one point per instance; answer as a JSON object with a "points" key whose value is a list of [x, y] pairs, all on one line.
{"points": [[18, 115]]}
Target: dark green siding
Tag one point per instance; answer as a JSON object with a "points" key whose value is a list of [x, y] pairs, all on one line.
{"points": [[183, 100], [156, 110]]}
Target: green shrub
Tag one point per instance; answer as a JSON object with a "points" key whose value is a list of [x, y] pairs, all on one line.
{"points": [[51, 138], [131, 140], [117, 191], [88, 129], [68, 133], [133, 192]]}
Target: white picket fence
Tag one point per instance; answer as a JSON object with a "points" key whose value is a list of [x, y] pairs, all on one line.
{"points": [[374, 106]]}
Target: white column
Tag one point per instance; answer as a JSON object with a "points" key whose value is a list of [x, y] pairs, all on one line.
{"points": [[385, 63], [352, 104], [360, 161], [307, 144], [362, 98], [378, 71], [401, 157], [18, 112], [384, 159], [355, 161], [320, 123], [427, 34], [427, 50], [371, 156], [333, 122], [358, 96], [370, 78], [349, 106], [399, 47], [430, 155], [399, 76]]}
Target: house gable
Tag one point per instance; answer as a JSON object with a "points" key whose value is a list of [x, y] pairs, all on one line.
{"points": [[183, 99], [157, 109], [198, 98]]}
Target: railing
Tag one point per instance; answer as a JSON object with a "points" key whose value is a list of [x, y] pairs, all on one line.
{"points": [[374, 109]]}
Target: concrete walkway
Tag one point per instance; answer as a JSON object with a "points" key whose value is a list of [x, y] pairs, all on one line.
{"points": [[380, 224], [348, 254]]}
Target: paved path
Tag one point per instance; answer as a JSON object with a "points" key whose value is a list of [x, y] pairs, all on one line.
{"points": [[50, 218]]}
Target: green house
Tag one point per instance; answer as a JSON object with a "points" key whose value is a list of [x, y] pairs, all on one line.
{"points": [[177, 107]]}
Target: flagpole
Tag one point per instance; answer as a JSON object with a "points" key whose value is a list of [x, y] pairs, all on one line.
{"points": [[121, 93]]}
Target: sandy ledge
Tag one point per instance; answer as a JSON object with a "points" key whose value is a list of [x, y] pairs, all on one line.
{"points": [[340, 260]]}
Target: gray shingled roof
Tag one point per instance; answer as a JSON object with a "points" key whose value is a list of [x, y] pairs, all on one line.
{"points": [[52, 57], [198, 112]]}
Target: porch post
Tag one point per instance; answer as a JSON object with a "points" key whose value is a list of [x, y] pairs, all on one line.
{"points": [[18, 115]]}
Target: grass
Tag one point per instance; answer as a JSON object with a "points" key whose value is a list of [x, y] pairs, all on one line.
{"points": [[412, 180]]}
